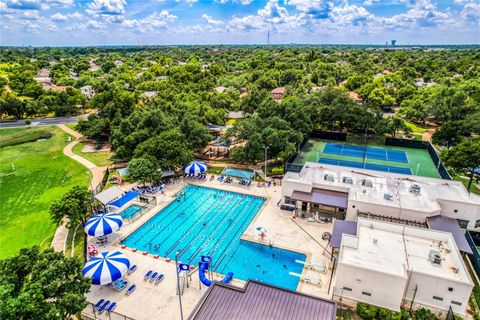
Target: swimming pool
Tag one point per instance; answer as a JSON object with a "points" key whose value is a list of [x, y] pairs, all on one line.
{"points": [[131, 211], [206, 221]]}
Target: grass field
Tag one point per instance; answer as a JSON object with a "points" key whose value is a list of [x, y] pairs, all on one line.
{"points": [[100, 158], [41, 174], [15, 136], [312, 151]]}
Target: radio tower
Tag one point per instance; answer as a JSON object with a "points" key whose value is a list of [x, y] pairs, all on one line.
{"points": [[268, 36]]}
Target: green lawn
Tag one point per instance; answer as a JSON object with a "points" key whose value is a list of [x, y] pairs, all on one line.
{"points": [[464, 180], [42, 174], [415, 127], [15, 136], [100, 158]]}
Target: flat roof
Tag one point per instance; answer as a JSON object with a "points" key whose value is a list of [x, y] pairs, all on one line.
{"points": [[257, 300], [395, 249]]}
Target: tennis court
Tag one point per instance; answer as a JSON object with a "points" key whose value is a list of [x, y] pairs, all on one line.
{"points": [[375, 157]]}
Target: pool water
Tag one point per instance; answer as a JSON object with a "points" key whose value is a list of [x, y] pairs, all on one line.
{"points": [[131, 211], [206, 221]]}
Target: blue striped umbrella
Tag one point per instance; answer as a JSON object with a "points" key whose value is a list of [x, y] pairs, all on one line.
{"points": [[103, 224], [195, 167], [106, 267]]}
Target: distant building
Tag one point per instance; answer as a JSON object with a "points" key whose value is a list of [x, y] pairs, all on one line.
{"points": [[150, 94], [94, 66], [118, 63], [53, 87], [394, 42], [393, 266], [220, 89], [278, 93], [236, 115], [355, 96], [88, 91], [160, 78]]}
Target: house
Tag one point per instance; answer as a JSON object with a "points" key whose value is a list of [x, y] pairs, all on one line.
{"points": [[278, 93], [160, 78], [258, 300], [393, 266], [50, 86], [355, 96], [94, 66], [88, 91], [118, 63], [220, 89], [43, 76], [150, 94], [236, 115]]}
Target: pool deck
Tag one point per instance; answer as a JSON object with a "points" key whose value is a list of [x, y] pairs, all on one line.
{"points": [[160, 301]]}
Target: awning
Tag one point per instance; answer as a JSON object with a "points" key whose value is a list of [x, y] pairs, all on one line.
{"points": [[108, 195], [446, 224], [341, 227], [242, 174], [323, 197]]}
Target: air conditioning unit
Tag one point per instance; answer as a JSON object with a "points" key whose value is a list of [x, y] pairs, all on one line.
{"points": [[375, 241], [415, 189], [348, 180], [367, 183], [435, 257], [388, 196], [329, 177]]}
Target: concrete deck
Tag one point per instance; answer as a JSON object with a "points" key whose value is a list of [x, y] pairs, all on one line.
{"points": [[160, 301]]}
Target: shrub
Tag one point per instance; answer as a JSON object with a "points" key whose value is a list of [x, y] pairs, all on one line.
{"points": [[366, 311], [28, 122], [277, 170], [424, 314]]}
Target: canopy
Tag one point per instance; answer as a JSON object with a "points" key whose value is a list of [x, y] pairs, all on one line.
{"points": [[108, 195], [446, 224], [106, 267], [243, 174], [195, 167], [341, 227], [103, 224]]}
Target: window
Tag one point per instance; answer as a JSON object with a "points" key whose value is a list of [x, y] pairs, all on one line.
{"points": [[288, 200], [366, 293], [477, 224], [437, 298], [456, 302], [347, 289], [462, 223]]}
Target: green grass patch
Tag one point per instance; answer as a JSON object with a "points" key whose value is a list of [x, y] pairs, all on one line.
{"points": [[16, 136], [415, 127], [464, 180], [71, 125], [99, 158], [42, 174]]}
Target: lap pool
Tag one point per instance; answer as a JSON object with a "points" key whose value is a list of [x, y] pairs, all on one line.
{"points": [[206, 221]]}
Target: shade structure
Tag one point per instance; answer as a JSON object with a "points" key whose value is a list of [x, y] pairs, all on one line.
{"points": [[106, 267], [103, 224], [195, 167]]}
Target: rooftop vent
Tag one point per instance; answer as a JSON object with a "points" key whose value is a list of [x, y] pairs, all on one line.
{"points": [[415, 189], [329, 177], [375, 241], [435, 257], [367, 183], [388, 196], [348, 180]]}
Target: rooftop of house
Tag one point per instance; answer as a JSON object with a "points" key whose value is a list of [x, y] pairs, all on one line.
{"points": [[395, 249], [279, 90], [150, 94], [220, 89]]}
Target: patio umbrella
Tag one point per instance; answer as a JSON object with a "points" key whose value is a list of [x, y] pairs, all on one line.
{"points": [[262, 229], [195, 167], [106, 267], [103, 224]]}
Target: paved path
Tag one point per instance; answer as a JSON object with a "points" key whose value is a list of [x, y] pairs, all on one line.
{"points": [[39, 122], [59, 241], [428, 135]]}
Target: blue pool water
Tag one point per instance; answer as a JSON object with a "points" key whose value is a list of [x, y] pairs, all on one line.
{"points": [[208, 221], [131, 211]]}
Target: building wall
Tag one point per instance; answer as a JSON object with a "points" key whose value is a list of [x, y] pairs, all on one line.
{"points": [[386, 290], [465, 211]]}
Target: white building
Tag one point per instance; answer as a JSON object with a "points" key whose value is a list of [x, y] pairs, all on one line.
{"points": [[88, 91], [392, 265], [345, 193]]}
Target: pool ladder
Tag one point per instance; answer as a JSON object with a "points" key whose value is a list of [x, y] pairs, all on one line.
{"points": [[183, 281]]}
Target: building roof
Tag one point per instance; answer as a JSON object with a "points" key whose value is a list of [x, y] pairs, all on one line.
{"points": [[236, 114], [220, 89], [257, 300], [341, 227], [150, 94], [447, 224], [279, 90], [108, 195], [322, 196]]}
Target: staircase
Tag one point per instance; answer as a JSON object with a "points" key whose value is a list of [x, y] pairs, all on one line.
{"points": [[183, 280]]}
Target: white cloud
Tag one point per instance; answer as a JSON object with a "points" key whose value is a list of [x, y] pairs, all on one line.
{"points": [[212, 21], [370, 2], [153, 22], [106, 7], [23, 4], [244, 2], [59, 17]]}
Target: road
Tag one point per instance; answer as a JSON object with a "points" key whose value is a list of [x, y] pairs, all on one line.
{"points": [[39, 122]]}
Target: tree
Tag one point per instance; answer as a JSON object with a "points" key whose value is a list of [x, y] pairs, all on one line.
{"points": [[41, 285], [143, 170], [448, 134], [73, 207], [464, 157]]}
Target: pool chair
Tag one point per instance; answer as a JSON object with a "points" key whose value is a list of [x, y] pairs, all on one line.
{"points": [[111, 307], [132, 268], [103, 306], [147, 275], [154, 275], [220, 178], [269, 183], [98, 304], [159, 278], [130, 289], [249, 183]]}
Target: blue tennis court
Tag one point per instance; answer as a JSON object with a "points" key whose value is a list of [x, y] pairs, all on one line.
{"points": [[369, 166], [376, 153]]}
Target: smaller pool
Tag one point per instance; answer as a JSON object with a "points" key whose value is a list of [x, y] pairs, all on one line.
{"points": [[131, 211]]}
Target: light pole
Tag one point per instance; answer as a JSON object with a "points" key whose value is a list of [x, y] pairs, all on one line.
{"points": [[178, 283], [266, 148], [91, 189]]}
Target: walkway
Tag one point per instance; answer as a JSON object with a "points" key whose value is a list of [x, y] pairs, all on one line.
{"points": [[59, 240], [428, 135]]}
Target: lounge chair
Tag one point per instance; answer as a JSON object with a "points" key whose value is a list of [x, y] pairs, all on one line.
{"points": [[249, 183], [132, 268], [154, 275], [159, 278], [220, 178], [130, 289], [147, 275], [98, 304], [269, 183], [111, 307], [103, 306]]}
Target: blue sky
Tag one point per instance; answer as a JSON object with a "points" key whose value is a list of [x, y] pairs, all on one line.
{"points": [[157, 22]]}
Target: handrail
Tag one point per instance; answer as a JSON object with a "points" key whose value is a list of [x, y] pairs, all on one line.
{"points": [[325, 249]]}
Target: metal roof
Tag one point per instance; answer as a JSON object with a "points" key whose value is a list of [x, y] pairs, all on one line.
{"points": [[339, 228], [109, 194], [257, 300], [446, 224], [324, 197]]}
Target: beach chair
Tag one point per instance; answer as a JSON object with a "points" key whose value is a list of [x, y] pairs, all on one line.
{"points": [[98, 304], [154, 275], [111, 307], [249, 183], [269, 183], [130, 289], [220, 178], [147, 275], [103, 306], [159, 278], [132, 269]]}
